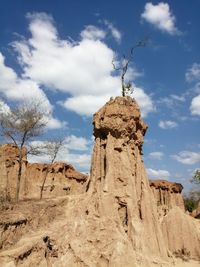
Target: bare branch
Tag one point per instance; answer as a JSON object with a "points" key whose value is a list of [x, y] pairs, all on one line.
{"points": [[20, 125], [126, 60]]}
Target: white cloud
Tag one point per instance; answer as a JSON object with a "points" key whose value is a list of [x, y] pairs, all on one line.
{"points": [[81, 69], [85, 104], [79, 160], [187, 157], [158, 174], [114, 31], [145, 101], [193, 73], [156, 155], [167, 124], [160, 17], [25, 90], [18, 89], [195, 105], [77, 143], [54, 123], [93, 33], [4, 108]]}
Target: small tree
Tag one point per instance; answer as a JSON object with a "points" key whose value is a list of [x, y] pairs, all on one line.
{"points": [[123, 68], [21, 125], [196, 177], [51, 148]]}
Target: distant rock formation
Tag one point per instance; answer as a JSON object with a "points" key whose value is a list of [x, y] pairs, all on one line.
{"points": [[61, 178], [167, 195], [181, 233]]}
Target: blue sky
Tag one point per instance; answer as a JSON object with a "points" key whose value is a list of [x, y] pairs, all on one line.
{"points": [[61, 53]]}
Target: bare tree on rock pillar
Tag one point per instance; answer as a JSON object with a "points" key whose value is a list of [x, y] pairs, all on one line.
{"points": [[124, 65]]}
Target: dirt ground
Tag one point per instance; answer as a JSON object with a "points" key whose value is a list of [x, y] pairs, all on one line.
{"points": [[191, 263]]}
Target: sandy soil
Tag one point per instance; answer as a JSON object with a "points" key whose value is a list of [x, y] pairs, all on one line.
{"points": [[191, 263]]}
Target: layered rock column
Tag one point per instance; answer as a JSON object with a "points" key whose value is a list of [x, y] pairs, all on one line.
{"points": [[118, 177], [167, 194]]}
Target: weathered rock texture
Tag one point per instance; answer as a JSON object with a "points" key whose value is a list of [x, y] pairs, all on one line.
{"points": [[167, 194], [119, 183], [181, 233], [114, 223], [9, 165], [60, 178]]}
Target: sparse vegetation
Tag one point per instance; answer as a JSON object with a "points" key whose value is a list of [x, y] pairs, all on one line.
{"points": [[183, 253], [196, 178], [20, 125], [190, 203], [51, 147], [123, 66], [192, 199]]}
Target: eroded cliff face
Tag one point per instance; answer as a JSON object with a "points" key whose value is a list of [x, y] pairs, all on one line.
{"points": [[9, 165], [60, 178], [118, 179], [114, 222], [167, 195]]}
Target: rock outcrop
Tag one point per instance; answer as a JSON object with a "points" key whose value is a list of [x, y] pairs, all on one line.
{"points": [[114, 223], [9, 165], [119, 183], [181, 233], [60, 178], [167, 195]]}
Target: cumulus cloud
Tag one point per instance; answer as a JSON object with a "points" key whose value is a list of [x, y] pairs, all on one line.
{"points": [[75, 150], [83, 70], [158, 174], [114, 31], [25, 90], [161, 17], [187, 157], [77, 143], [193, 73], [195, 106], [93, 33], [145, 102], [54, 123], [156, 155], [16, 88], [4, 108], [167, 124]]}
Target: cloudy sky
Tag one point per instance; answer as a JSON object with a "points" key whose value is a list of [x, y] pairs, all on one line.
{"points": [[61, 53]]}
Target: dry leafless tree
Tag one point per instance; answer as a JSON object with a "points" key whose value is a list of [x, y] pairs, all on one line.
{"points": [[21, 125], [51, 148], [124, 64]]}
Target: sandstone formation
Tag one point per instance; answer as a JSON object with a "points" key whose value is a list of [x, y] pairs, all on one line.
{"points": [[60, 178], [167, 195], [9, 158], [114, 222], [181, 233]]}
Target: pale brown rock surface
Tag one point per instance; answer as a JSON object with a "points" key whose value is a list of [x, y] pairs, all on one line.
{"points": [[167, 195], [61, 178], [114, 223], [182, 233]]}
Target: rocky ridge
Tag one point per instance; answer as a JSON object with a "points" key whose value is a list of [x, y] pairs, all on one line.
{"points": [[114, 221], [60, 178], [167, 195]]}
